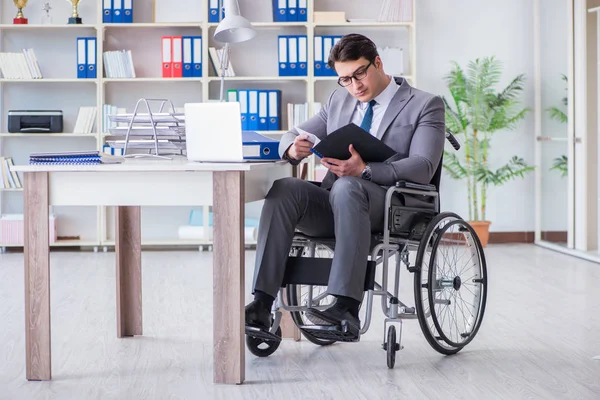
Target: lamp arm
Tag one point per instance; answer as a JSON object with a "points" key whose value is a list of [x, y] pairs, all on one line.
{"points": [[224, 66]]}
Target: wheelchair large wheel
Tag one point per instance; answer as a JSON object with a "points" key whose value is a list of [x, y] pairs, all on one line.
{"points": [[424, 255], [298, 295], [457, 289]]}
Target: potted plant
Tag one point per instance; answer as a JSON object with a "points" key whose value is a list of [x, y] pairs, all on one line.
{"points": [[479, 112]]}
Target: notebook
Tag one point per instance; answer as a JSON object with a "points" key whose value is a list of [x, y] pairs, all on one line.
{"points": [[74, 157], [336, 145]]}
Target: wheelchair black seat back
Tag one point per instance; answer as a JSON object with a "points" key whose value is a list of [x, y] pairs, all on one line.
{"points": [[449, 277]]}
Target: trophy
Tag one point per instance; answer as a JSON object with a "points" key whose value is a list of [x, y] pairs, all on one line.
{"points": [[74, 19], [46, 17], [20, 18]]}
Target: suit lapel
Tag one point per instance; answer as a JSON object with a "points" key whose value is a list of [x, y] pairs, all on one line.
{"points": [[398, 102], [347, 110]]}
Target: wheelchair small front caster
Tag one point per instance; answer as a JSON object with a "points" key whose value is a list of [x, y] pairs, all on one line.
{"points": [[261, 347], [391, 347]]}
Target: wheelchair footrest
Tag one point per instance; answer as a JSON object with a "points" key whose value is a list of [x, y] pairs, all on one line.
{"points": [[258, 333], [339, 333]]}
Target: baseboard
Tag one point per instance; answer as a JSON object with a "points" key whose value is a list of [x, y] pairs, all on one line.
{"points": [[527, 237]]}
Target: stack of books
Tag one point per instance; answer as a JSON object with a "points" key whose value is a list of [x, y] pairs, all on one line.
{"points": [[20, 65], [119, 64], [85, 120]]}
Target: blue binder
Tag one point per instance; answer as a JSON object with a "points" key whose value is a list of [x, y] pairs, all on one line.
{"points": [[107, 11], [187, 56], [81, 58], [127, 11], [258, 147], [91, 46], [279, 10], [274, 114]]}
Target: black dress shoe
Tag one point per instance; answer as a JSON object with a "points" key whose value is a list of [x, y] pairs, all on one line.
{"points": [[258, 316], [333, 316]]}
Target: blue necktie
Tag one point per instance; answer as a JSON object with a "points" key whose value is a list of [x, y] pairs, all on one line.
{"points": [[368, 118]]}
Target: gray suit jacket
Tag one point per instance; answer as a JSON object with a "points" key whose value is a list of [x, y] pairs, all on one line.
{"points": [[413, 125]]}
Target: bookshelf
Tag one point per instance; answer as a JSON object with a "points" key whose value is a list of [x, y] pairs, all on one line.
{"points": [[60, 88]]}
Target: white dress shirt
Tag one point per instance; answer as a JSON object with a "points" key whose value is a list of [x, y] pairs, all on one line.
{"points": [[383, 101]]}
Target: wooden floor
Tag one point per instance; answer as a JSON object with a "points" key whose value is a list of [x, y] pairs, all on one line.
{"points": [[540, 334]]}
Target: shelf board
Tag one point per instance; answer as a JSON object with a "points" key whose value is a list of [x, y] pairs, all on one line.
{"points": [[258, 78], [61, 243], [363, 24], [11, 189], [48, 135], [49, 26], [157, 79], [156, 25], [48, 80], [271, 24]]}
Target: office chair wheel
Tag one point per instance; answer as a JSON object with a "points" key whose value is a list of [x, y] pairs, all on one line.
{"points": [[261, 347], [391, 347]]}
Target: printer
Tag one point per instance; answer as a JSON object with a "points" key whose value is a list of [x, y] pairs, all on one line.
{"points": [[35, 121]]}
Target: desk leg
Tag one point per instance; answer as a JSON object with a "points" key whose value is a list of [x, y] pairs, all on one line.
{"points": [[37, 277], [128, 249], [228, 277]]}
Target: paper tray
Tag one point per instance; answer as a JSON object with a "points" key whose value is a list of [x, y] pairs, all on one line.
{"points": [[148, 131], [142, 118]]}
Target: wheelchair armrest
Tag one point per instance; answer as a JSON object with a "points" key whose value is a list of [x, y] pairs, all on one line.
{"points": [[416, 186]]}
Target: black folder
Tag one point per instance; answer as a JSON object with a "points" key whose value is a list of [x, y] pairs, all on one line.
{"points": [[336, 144]]}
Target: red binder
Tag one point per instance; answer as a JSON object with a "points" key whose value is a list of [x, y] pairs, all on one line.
{"points": [[167, 57], [177, 56]]}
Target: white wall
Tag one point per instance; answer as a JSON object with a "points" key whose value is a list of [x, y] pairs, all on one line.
{"points": [[462, 30]]}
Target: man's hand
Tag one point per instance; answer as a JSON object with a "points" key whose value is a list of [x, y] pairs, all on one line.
{"points": [[300, 148], [353, 166]]}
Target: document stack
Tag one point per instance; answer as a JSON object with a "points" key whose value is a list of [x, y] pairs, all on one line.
{"points": [[73, 158], [154, 129], [86, 57], [117, 11], [85, 120], [298, 113], [216, 55], [293, 55], [20, 65], [181, 56], [260, 109]]}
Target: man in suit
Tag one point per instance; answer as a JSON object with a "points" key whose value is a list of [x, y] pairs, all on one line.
{"points": [[349, 204]]}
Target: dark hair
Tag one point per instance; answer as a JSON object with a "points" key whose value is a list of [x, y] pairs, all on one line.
{"points": [[352, 47]]}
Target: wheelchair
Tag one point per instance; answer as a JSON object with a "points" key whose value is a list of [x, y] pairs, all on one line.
{"points": [[449, 279]]}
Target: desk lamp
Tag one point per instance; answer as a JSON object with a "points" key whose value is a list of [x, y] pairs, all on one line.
{"points": [[232, 29]]}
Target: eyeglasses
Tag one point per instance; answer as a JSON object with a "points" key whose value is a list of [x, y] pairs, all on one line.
{"points": [[358, 75]]}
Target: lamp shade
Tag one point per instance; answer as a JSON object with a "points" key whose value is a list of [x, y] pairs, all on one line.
{"points": [[234, 28]]}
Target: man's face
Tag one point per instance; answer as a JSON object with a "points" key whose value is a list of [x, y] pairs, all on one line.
{"points": [[364, 88]]}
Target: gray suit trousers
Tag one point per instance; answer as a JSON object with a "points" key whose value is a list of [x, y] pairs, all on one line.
{"points": [[350, 211]]}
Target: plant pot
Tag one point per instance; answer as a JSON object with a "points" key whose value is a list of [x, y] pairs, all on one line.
{"points": [[482, 229]]}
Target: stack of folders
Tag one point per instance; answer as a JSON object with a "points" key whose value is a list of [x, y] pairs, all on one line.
{"points": [[85, 120], [119, 64], [74, 158], [396, 11], [323, 46], [10, 179], [290, 11], [216, 55], [260, 109], [299, 113], [117, 11], [20, 65], [293, 55], [181, 56], [86, 58]]}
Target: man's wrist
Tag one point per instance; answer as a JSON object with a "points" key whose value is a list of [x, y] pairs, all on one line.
{"points": [[366, 172]]}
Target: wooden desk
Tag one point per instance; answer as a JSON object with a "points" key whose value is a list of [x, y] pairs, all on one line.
{"points": [[128, 186]]}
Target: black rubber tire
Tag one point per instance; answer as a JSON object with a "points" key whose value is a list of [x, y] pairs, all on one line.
{"points": [[483, 299], [292, 300], [253, 343], [431, 335], [391, 347]]}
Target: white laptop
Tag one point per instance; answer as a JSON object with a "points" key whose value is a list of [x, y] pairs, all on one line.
{"points": [[213, 132]]}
